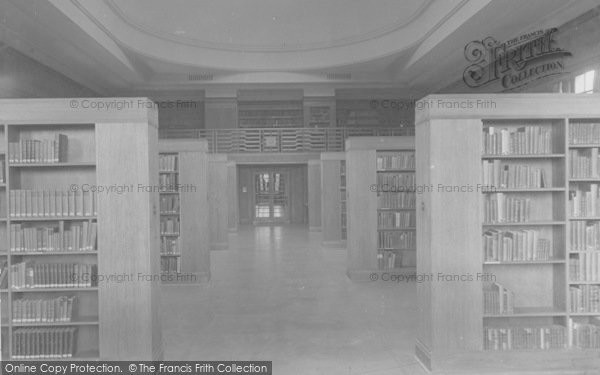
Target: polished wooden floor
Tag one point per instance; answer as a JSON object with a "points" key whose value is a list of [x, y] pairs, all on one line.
{"points": [[276, 294]]}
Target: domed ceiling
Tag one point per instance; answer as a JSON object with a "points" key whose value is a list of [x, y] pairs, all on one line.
{"points": [[124, 45]]}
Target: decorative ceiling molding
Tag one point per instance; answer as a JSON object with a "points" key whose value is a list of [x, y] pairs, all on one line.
{"points": [[377, 32]]}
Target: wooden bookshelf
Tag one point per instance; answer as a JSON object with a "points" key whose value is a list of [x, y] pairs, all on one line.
{"points": [[333, 196], [369, 113], [183, 169], [63, 230], [270, 114], [509, 233], [377, 242], [319, 112]]}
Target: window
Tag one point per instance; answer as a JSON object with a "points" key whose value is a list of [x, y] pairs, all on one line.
{"points": [[584, 83]]}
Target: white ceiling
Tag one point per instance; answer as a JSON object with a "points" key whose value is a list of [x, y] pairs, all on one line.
{"points": [[121, 46]]}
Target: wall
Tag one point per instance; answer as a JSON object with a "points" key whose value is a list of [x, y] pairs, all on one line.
{"points": [[23, 77]]}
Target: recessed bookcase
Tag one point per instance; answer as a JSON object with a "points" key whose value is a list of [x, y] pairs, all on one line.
{"points": [[73, 178], [381, 228], [319, 112], [370, 113], [184, 250], [270, 114], [508, 220]]}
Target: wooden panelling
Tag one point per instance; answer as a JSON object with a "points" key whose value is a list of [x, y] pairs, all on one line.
{"points": [[193, 176], [127, 154], [314, 195], [218, 201], [232, 193], [362, 209], [330, 198]]}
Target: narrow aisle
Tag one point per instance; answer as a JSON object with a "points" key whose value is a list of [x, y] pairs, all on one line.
{"points": [[277, 295]]}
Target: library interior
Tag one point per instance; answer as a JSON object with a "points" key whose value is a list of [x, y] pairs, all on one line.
{"points": [[301, 187]]}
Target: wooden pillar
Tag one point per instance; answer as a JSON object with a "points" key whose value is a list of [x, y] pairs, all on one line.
{"points": [[331, 205], [217, 201], [232, 194], [128, 239], [448, 240], [314, 195]]}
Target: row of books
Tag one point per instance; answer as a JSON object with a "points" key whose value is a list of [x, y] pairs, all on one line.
{"points": [[400, 160], [53, 275], [80, 237], [584, 203], [585, 266], [513, 176], [584, 133], [169, 225], [170, 265], [396, 240], [58, 309], [524, 140], [39, 150], [169, 245], [501, 208], [168, 180], [3, 274], [388, 260], [397, 200], [258, 113], [169, 204], [398, 219], [167, 163], [587, 335], [584, 163], [524, 338], [403, 181], [498, 300], [2, 171], [52, 203], [585, 298], [44, 343], [515, 246], [584, 236]]}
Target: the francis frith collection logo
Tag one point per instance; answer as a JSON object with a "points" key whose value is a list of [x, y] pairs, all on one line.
{"points": [[514, 63]]}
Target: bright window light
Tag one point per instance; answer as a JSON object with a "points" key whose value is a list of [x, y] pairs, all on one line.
{"points": [[584, 83]]}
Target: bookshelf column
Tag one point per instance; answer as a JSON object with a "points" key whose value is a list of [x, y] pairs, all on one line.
{"points": [[448, 239], [127, 155], [185, 179], [331, 202], [314, 195], [217, 201], [232, 192]]}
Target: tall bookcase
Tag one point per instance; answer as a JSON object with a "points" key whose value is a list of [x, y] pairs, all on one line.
{"points": [[508, 270], [319, 112], [370, 113], [73, 181], [333, 195], [183, 174], [381, 231], [270, 114]]}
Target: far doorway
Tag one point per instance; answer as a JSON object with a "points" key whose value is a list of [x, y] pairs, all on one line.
{"points": [[271, 200], [273, 194]]}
